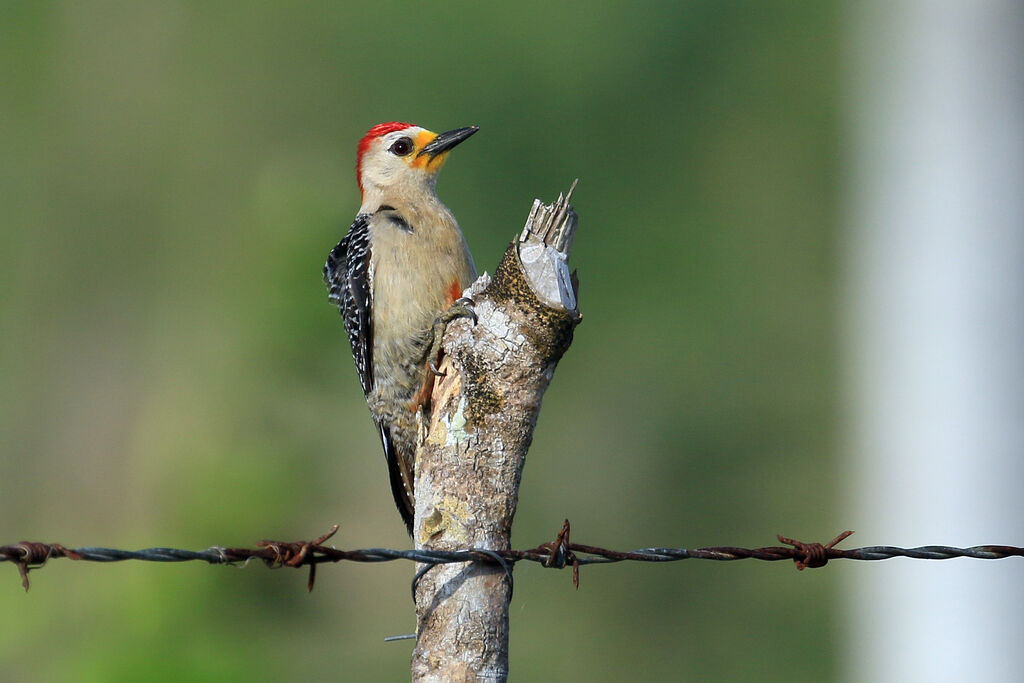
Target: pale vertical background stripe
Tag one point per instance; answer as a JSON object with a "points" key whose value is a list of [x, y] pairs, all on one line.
{"points": [[934, 336]]}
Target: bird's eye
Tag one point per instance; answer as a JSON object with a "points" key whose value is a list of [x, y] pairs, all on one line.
{"points": [[401, 147]]}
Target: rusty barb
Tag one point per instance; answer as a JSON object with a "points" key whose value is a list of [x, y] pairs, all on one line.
{"points": [[295, 554], [814, 554], [556, 554], [27, 555], [560, 550]]}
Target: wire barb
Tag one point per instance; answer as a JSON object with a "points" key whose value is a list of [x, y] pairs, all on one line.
{"points": [[28, 555], [559, 551], [814, 554], [557, 554], [294, 554]]}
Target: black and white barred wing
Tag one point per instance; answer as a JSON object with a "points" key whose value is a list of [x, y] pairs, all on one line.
{"points": [[348, 279]]}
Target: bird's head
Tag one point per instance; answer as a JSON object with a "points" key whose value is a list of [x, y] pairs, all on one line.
{"points": [[403, 157]]}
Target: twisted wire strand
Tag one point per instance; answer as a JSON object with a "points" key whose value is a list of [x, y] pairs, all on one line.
{"points": [[556, 554]]}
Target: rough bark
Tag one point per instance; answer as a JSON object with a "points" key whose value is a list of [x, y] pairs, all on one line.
{"points": [[471, 454]]}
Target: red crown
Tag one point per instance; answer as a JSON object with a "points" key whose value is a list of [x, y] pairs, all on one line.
{"points": [[364, 144]]}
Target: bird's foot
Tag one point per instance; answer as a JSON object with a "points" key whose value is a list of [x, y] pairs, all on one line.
{"points": [[462, 308]]}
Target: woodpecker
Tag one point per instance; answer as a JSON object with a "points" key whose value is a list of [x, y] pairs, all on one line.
{"points": [[397, 278]]}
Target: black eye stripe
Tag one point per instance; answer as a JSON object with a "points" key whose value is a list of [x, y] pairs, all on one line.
{"points": [[401, 147]]}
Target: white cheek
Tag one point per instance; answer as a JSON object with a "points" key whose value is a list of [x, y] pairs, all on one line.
{"points": [[385, 171]]}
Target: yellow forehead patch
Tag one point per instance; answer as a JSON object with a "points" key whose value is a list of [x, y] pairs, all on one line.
{"points": [[424, 138]]}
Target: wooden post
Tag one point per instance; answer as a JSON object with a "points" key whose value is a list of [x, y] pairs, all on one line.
{"points": [[474, 443]]}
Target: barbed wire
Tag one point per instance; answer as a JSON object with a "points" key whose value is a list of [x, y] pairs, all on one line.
{"points": [[557, 554]]}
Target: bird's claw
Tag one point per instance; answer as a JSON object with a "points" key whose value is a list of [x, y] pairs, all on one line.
{"points": [[466, 310], [460, 308]]}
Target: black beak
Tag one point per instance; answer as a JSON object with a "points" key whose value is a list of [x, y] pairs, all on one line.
{"points": [[445, 141]]}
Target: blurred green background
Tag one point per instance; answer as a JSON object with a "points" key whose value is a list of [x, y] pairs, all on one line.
{"points": [[173, 175]]}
